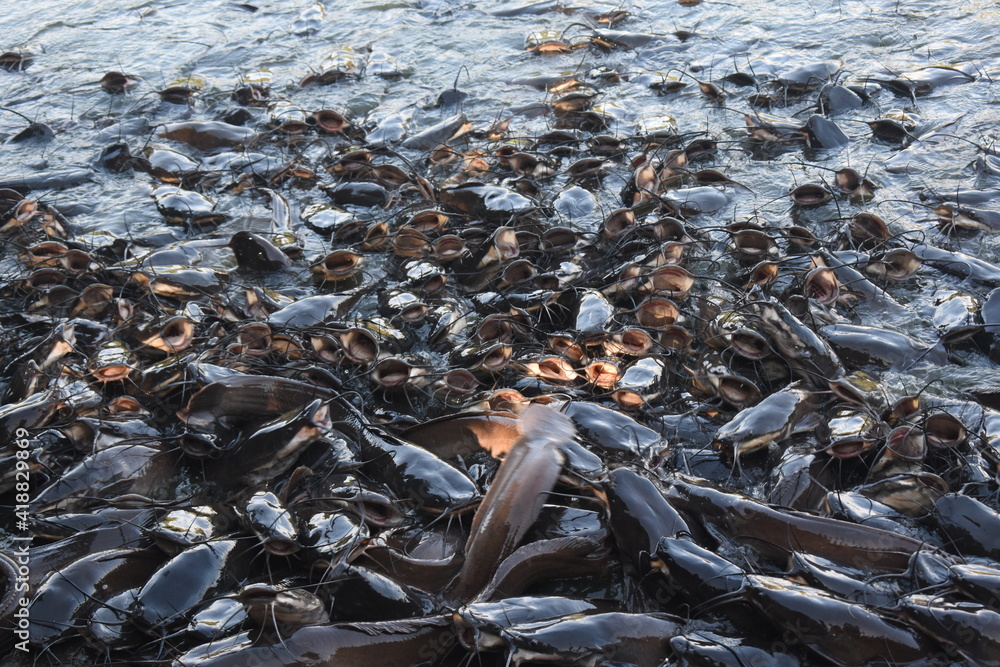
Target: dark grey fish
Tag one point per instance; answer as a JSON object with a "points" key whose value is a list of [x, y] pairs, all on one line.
{"points": [[314, 310], [887, 347], [434, 136], [53, 180], [959, 264], [514, 499]]}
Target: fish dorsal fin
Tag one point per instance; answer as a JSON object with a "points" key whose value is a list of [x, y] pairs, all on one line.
{"points": [[808, 422], [542, 425]]}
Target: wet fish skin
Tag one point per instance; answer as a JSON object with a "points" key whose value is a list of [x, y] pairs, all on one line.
{"points": [[391, 129], [926, 80], [272, 523], [979, 583], [514, 498], [699, 574], [775, 418], [207, 135], [967, 525], [429, 483], [60, 604], [856, 282], [854, 507], [958, 263], [241, 398], [438, 134], [429, 573], [255, 253], [485, 621], [30, 413], [637, 639], [186, 526], [190, 577], [331, 541], [845, 633], [279, 612], [885, 346], [135, 468], [956, 316], [543, 561], [615, 433], [367, 499], [57, 556], [963, 628], [848, 585], [809, 354], [707, 648], [314, 310], [358, 193], [780, 532], [409, 643], [52, 180], [364, 594], [800, 479], [109, 626], [640, 516], [465, 433]]}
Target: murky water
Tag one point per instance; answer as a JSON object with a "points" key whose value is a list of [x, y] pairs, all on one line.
{"points": [[404, 57]]}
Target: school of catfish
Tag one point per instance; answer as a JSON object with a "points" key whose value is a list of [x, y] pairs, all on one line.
{"points": [[479, 428]]}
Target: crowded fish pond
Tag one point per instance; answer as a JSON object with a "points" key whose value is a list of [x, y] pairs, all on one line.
{"points": [[499, 333]]}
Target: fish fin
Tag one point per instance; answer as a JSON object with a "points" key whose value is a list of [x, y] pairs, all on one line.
{"points": [[403, 626], [544, 425], [807, 423]]}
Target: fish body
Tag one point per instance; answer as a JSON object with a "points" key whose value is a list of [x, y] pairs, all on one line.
{"points": [[774, 419]]}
